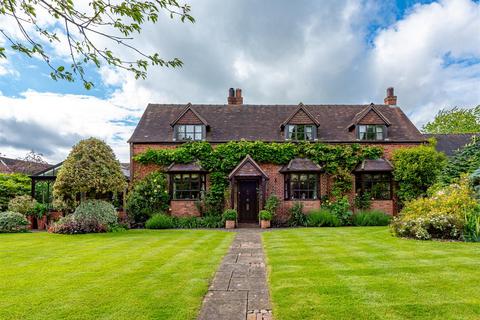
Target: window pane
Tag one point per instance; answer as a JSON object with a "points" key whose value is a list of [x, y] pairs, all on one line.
{"points": [[362, 129], [308, 132], [198, 136], [190, 128]]}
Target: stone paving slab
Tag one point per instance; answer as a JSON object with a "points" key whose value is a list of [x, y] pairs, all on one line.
{"points": [[239, 289]]}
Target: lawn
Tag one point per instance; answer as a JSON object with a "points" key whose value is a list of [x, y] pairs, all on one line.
{"points": [[365, 273], [137, 274]]}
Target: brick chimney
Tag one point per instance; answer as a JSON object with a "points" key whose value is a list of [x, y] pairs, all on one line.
{"points": [[235, 96], [391, 98]]}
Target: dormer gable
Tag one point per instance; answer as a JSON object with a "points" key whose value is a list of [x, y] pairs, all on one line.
{"points": [[189, 116], [247, 168], [301, 116], [369, 115]]}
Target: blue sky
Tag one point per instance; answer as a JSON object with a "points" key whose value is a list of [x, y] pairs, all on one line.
{"points": [[276, 51]]}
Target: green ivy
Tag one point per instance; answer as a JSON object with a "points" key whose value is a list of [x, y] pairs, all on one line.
{"points": [[337, 160]]}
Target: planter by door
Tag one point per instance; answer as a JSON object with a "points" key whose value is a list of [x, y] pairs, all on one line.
{"points": [[248, 201]]}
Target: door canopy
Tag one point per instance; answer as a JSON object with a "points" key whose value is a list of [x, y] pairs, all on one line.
{"points": [[247, 168]]}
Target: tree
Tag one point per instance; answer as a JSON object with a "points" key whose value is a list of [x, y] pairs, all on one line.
{"points": [[90, 171], [416, 169], [467, 160], [11, 185], [82, 28], [455, 120]]}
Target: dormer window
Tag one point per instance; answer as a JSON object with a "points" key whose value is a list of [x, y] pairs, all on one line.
{"points": [[371, 132], [300, 132], [189, 132]]}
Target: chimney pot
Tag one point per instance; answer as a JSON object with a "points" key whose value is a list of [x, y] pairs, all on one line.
{"points": [[391, 98], [235, 96]]}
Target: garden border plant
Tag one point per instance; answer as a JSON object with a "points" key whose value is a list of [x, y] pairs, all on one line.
{"points": [[337, 160]]}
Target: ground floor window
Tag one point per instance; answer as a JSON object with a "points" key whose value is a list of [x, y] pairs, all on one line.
{"points": [[378, 185], [188, 185], [301, 186]]}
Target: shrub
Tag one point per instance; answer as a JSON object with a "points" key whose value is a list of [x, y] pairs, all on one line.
{"points": [[40, 210], [210, 222], [12, 185], [99, 210], [363, 201], [187, 222], [22, 204], [90, 169], [371, 218], [12, 222], [148, 196], [160, 221], [272, 204], [471, 232], [230, 214], [341, 208], [265, 215], [71, 224], [297, 217], [416, 169], [440, 216], [322, 218], [467, 160]]}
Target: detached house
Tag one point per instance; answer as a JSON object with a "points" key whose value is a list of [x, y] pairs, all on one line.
{"points": [[170, 125]]}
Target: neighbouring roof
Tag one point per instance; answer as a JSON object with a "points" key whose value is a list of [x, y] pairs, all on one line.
{"points": [[8, 165], [247, 168], [51, 172], [263, 122], [374, 165], [182, 167], [450, 143], [301, 164]]}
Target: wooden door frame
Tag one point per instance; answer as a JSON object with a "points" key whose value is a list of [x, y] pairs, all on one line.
{"points": [[258, 182]]}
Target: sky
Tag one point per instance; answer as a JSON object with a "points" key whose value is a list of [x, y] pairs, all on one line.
{"points": [[277, 51]]}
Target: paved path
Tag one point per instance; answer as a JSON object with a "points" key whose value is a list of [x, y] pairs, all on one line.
{"points": [[239, 289]]}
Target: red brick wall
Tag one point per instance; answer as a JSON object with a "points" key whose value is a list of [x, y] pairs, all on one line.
{"points": [[138, 170], [386, 206], [184, 208]]}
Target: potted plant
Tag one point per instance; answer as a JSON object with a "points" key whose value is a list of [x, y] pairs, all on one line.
{"points": [[40, 210], [230, 217], [265, 218]]}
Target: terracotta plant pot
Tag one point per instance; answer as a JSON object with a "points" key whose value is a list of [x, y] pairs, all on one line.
{"points": [[42, 222], [264, 224], [230, 224], [30, 222]]}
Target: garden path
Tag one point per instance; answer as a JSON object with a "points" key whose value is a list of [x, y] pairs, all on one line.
{"points": [[239, 289]]}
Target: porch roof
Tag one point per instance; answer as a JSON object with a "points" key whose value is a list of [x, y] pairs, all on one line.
{"points": [[185, 167], [247, 168], [374, 165], [301, 164]]}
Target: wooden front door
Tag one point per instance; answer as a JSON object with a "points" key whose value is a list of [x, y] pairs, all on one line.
{"points": [[247, 201]]}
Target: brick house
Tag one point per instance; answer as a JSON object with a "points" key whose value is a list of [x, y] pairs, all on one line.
{"points": [[169, 125]]}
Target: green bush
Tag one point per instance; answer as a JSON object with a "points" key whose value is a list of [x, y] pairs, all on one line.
{"points": [[40, 210], [272, 204], [99, 210], [230, 214], [265, 215], [187, 222], [416, 169], [465, 161], [341, 208], [148, 196], [371, 218], [363, 201], [22, 204], [160, 221], [297, 217], [471, 231], [322, 218], [12, 222], [12, 185], [441, 216]]}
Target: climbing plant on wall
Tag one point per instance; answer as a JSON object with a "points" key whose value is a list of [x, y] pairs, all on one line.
{"points": [[337, 160]]}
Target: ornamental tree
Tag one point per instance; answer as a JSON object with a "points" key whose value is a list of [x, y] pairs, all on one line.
{"points": [[455, 120], [90, 170], [416, 169], [467, 160]]}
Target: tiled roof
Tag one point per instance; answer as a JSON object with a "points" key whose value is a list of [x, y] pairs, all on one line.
{"points": [[263, 122], [179, 167], [449, 143], [8, 165], [300, 164], [374, 165]]}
